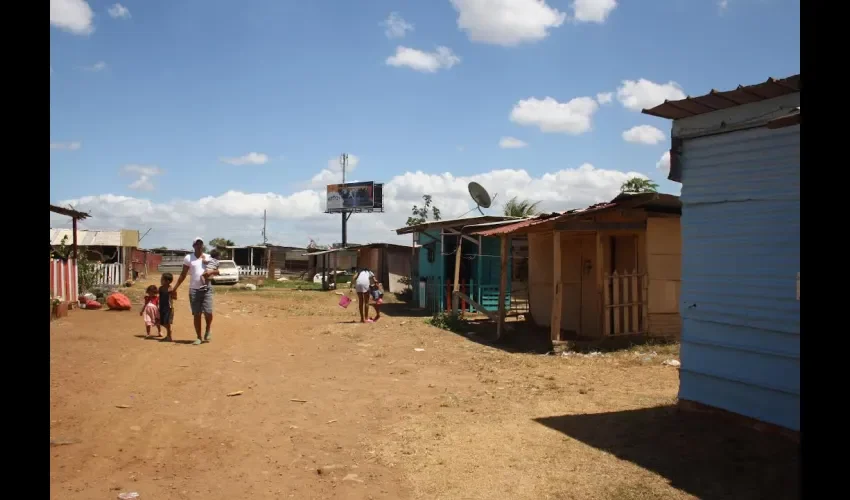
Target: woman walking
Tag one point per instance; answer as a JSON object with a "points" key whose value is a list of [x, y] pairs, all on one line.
{"points": [[361, 283]]}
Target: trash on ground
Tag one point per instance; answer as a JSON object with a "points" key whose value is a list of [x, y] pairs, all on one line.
{"points": [[128, 496], [672, 362], [331, 421], [63, 442], [298, 400], [419, 349], [234, 393], [122, 406]]}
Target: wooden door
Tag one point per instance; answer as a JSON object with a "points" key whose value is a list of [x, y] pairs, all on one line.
{"points": [[589, 293]]}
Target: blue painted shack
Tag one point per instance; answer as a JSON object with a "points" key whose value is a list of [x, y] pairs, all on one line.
{"points": [[737, 156], [432, 276]]}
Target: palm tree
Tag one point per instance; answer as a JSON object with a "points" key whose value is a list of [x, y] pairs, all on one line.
{"points": [[524, 208], [637, 185]]}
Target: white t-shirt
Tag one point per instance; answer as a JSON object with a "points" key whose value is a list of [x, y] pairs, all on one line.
{"points": [[363, 279], [196, 269]]}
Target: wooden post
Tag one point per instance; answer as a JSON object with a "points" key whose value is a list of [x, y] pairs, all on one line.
{"points": [[600, 260], [606, 301], [634, 300], [251, 260], [456, 281], [557, 286], [270, 264], [74, 247], [503, 285]]}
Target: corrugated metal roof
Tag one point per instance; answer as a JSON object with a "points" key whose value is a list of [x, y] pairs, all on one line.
{"points": [[658, 201], [715, 100], [86, 238], [468, 221]]}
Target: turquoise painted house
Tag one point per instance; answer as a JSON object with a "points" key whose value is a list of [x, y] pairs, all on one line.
{"points": [[737, 155], [432, 276]]}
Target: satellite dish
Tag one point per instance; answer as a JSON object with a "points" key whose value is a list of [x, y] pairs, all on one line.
{"points": [[480, 196]]}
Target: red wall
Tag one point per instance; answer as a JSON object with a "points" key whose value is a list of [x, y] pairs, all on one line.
{"points": [[153, 261]]}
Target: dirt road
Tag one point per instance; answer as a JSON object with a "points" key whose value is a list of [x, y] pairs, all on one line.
{"points": [[332, 409]]}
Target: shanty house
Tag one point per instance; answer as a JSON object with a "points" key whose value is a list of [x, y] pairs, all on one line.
{"points": [[391, 264], [737, 155], [477, 265], [608, 269], [112, 249]]}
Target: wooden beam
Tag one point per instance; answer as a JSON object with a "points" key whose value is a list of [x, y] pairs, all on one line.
{"points": [[478, 307], [503, 284], [600, 259], [557, 288], [456, 283], [74, 229], [456, 232], [599, 226]]}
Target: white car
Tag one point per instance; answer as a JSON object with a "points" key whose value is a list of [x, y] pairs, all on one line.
{"points": [[318, 277], [228, 273]]}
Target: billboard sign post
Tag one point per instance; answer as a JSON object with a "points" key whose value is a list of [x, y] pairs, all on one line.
{"points": [[353, 197]]}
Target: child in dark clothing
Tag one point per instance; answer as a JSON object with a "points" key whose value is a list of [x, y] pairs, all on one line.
{"points": [[166, 311]]}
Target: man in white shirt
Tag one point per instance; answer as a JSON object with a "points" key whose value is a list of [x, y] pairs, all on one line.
{"points": [[200, 295]]}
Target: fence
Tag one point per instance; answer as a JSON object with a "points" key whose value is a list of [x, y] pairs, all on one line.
{"points": [[625, 303], [63, 279], [435, 296], [256, 271], [109, 274]]}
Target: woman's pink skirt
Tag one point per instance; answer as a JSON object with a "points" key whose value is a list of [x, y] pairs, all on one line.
{"points": [[151, 314]]}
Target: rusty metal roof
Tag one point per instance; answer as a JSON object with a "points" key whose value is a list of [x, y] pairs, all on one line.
{"points": [[649, 201], [468, 221], [86, 238], [715, 100]]}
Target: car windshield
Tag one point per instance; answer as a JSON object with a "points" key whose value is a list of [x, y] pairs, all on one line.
{"points": [[226, 265]]}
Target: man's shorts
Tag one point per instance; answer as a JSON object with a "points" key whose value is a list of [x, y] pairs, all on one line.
{"points": [[201, 300]]}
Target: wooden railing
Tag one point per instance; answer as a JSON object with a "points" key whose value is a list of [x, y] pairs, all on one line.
{"points": [[625, 308]]}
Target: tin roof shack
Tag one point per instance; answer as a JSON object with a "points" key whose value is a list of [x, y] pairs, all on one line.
{"points": [[107, 247], [609, 269], [737, 155], [390, 263], [330, 263], [477, 263]]}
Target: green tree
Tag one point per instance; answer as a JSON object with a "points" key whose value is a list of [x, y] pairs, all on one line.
{"points": [[637, 185], [421, 214], [220, 244], [517, 208]]}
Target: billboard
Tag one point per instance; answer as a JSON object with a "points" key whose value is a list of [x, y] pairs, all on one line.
{"points": [[355, 197]]}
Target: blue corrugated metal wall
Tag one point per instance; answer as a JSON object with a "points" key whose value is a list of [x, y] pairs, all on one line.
{"points": [[741, 256]]}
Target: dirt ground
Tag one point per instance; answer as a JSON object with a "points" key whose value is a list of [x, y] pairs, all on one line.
{"points": [[333, 409]]}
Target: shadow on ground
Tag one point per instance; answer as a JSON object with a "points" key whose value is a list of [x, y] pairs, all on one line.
{"points": [[706, 455]]}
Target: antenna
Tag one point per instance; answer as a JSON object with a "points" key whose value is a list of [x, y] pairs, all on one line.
{"points": [[265, 241], [480, 196]]}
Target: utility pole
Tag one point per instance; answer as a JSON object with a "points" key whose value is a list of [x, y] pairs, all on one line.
{"points": [[343, 162], [265, 240]]}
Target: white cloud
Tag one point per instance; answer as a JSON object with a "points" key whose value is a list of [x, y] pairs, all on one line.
{"points": [[663, 163], [644, 134], [643, 94], [604, 97], [96, 67], [723, 4], [73, 16], [248, 159], [549, 115], [511, 143], [425, 62], [144, 176], [296, 217], [507, 22], [66, 146], [592, 11], [118, 11], [396, 26]]}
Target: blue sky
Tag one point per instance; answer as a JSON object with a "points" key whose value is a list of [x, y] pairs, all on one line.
{"points": [[156, 107]]}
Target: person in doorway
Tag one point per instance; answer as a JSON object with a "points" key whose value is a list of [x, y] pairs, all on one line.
{"points": [[200, 294], [361, 283]]}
